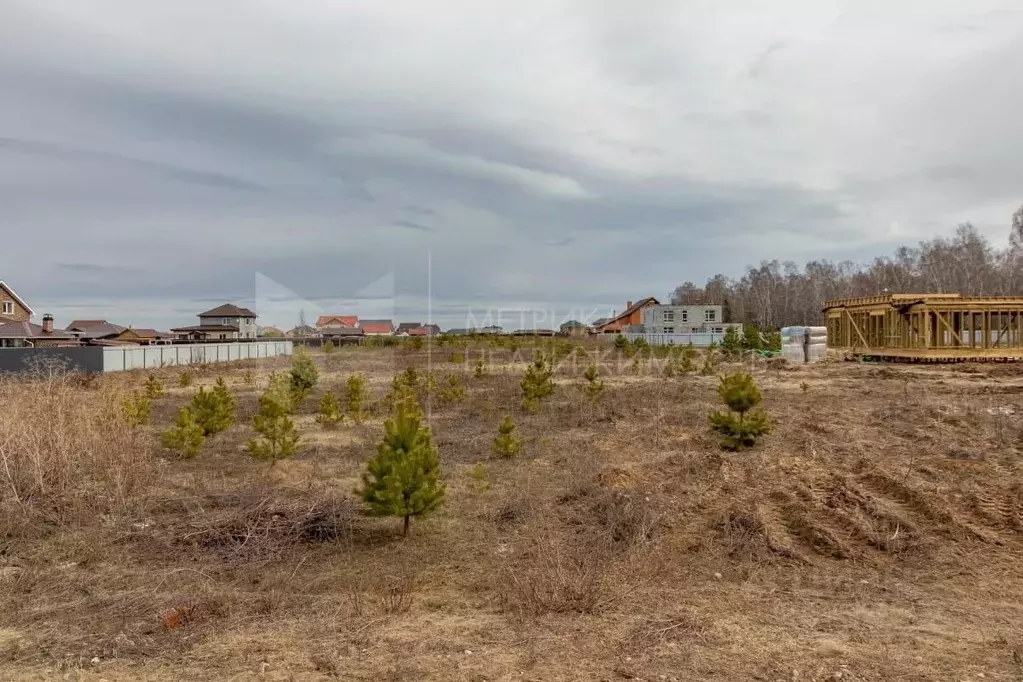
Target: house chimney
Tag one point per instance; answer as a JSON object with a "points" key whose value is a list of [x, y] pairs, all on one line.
{"points": [[48, 323], [628, 304]]}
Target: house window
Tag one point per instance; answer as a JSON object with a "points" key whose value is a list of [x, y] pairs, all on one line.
{"points": [[710, 315], [669, 330], [669, 316], [8, 307], [719, 330], [685, 315]]}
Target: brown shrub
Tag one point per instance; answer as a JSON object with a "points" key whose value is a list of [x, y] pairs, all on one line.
{"points": [[66, 456], [556, 575]]}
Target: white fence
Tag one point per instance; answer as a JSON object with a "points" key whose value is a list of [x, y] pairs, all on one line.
{"points": [[699, 340], [152, 357]]}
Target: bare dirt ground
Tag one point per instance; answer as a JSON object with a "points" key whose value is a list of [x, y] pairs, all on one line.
{"points": [[877, 534]]}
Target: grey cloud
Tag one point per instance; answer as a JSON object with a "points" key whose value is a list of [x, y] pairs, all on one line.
{"points": [[489, 160], [96, 158], [95, 268], [413, 225]]}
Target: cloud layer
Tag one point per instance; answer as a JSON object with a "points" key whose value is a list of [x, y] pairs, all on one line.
{"points": [[155, 157]]}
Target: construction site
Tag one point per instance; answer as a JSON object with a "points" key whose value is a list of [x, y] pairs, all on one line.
{"points": [[927, 327]]}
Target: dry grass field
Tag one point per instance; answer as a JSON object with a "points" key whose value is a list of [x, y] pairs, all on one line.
{"points": [[876, 534]]}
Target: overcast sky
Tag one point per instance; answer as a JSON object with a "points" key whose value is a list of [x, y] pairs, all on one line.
{"points": [[158, 158]]}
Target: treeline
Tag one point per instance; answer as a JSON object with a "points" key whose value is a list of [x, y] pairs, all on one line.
{"points": [[778, 294]]}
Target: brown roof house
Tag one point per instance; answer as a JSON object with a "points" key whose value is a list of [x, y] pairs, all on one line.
{"points": [[343, 335], [12, 307], [417, 329], [24, 334], [93, 332], [143, 336], [324, 321], [632, 316], [377, 327], [227, 322]]}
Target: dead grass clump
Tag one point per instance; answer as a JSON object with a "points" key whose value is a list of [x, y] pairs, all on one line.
{"points": [[556, 575], [66, 456], [681, 627], [625, 518]]}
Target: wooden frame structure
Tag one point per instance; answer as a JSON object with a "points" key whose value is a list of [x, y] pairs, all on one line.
{"points": [[936, 327]]}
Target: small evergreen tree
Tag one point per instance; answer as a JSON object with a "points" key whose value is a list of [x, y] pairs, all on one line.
{"points": [[732, 343], [709, 365], [537, 384], [506, 444], [136, 408], [214, 410], [751, 339], [185, 380], [480, 370], [622, 343], [279, 435], [456, 358], [355, 389], [186, 436], [454, 392], [303, 376], [279, 387], [154, 388], [404, 478], [594, 386], [742, 424], [410, 377], [329, 411], [328, 347]]}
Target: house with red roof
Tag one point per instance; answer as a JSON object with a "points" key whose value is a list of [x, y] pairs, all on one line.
{"points": [[632, 315], [377, 327]]}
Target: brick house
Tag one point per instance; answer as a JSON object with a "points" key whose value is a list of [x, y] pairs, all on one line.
{"points": [[12, 307], [24, 334], [632, 316]]}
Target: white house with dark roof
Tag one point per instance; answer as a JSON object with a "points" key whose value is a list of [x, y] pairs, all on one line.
{"points": [[227, 322]]}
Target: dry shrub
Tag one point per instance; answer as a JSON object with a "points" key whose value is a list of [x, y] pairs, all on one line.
{"points": [[66, 456], [557, 575], [258, 524], [396, 594]]}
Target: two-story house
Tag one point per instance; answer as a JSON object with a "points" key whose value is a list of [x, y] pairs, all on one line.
{"points": [[223, 323], [684, 319]]}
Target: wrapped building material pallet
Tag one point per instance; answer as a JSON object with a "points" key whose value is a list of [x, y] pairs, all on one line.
{"points": [[804, 344]]}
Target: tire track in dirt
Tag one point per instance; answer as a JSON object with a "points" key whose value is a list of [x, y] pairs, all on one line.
{"points": [[937, 515]]}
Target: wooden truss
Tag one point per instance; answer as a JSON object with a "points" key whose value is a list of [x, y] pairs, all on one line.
{"points": [[927, 326]]}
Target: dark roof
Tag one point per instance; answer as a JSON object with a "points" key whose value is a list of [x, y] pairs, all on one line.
{"points": [[82, 325], [207, 328], [27, 330], [407, 326], [574, 324], [102, 330], [343, 331], [146, 333], [228, 310]]}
